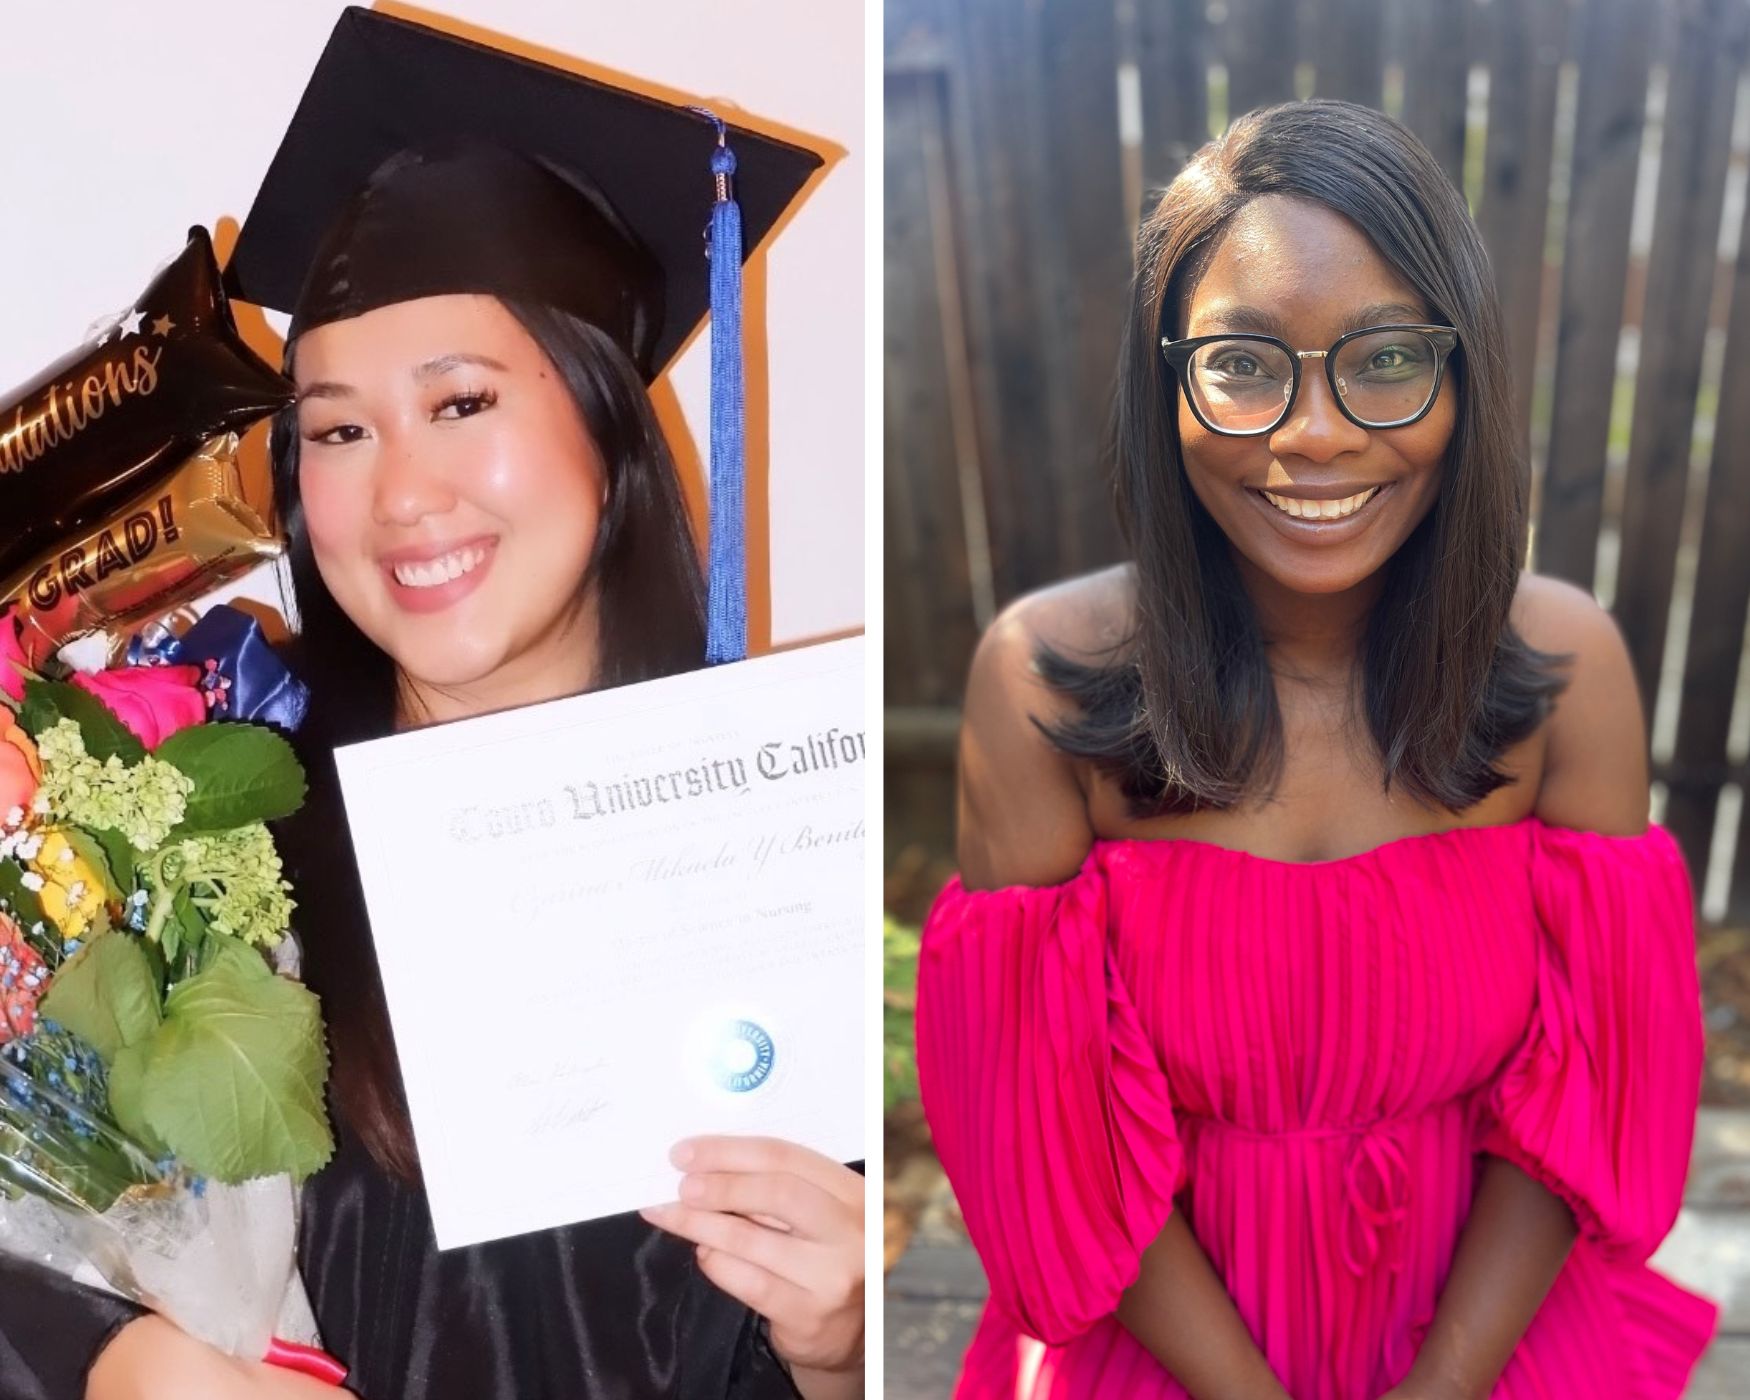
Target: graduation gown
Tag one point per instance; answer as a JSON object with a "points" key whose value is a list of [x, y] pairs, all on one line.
{"points": [[612, 1308]]}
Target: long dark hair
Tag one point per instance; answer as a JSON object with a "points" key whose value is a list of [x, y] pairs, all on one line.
{"points": [[1184, 712], [650, 605]]}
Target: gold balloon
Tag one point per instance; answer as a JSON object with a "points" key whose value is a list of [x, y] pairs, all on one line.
{"points": [[165, 547]]}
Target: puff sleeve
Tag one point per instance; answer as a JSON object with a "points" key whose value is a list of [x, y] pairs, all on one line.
{"points": [[1599, 1100], [1049, 1110]]}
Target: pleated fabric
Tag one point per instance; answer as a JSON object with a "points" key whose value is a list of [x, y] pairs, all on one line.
{"points": [[1307, 1058]]}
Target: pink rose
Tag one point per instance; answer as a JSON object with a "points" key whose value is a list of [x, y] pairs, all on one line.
{"points": [[11, 658], [153, 701]]}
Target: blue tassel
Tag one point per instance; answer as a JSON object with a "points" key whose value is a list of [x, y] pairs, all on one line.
{"points": [[726, 583]]}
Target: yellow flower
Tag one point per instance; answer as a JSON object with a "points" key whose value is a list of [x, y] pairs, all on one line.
{"points": [[72, 892]]}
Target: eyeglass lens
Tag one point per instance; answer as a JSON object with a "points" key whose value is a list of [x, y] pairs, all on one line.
{"points": [[1243, 386]]}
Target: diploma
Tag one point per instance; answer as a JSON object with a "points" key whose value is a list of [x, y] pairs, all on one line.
{"points": [[613, 921]]}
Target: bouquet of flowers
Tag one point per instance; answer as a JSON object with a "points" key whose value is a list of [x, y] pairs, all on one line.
{"points": [[161, 1079]]}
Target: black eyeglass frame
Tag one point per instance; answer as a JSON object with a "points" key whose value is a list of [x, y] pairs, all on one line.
{"points": [[1178, 354]]}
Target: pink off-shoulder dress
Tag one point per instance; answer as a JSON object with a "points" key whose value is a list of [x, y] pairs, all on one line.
{"points": [[1307, 1060]]}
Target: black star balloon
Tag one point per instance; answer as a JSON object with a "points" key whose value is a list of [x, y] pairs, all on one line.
{"points": [[108, 421]]}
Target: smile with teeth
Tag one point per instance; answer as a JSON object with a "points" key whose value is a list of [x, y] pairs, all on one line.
{"points": [[430, 573], [1320, 510]]}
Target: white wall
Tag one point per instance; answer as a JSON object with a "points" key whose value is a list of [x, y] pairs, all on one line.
{"points": [[126, 123]]}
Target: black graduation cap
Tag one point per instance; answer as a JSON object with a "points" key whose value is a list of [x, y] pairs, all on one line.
{"points": [[420, 163]]}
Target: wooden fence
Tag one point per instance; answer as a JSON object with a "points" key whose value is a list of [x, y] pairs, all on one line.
{"points": [[1602, 145]]}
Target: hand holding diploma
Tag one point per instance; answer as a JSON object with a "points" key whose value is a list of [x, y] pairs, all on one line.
{"points": [[668, 878], [780, 1228]]}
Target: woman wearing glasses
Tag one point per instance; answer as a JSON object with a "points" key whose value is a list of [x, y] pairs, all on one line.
{"points": [[1316, 1012]]}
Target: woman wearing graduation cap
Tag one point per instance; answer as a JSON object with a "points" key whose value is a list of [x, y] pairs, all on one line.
{"points": [[486, 261]]}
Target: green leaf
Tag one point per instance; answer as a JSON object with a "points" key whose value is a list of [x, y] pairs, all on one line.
{"points": [[118, 851], [38, 711], [234, 1081], [222, 948], [26, 908], [46, 702], [242, 773], [89, 850], [127, 1076], [106, 995], [154, 956], [186, 930]]}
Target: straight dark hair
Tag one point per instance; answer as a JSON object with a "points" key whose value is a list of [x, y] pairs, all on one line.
{"points": [[650, 604], [1183, 713]]}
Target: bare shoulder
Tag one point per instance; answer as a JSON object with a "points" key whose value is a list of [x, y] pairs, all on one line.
{"points": [[1084, 616], [1595, 772], [1023, 817]]}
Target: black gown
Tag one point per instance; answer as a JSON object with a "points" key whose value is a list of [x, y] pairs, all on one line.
{"points": [[612, 1308]]}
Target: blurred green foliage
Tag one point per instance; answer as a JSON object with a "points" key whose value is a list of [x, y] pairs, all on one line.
{"points": [[899, 1076]]}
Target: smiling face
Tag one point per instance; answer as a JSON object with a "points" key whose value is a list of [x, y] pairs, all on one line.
{"points": [[1296, 270], [452, 495]]}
